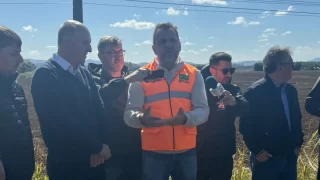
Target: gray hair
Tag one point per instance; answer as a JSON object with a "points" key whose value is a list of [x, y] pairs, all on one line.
{"points": [[274, 57], [108, 40], [9, 37], [68, 28]]}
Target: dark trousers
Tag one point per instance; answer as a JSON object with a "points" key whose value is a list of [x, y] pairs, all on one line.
{"points": [[181, 166], [58, 170], [125, 167], [275, 168], [217, 168]]}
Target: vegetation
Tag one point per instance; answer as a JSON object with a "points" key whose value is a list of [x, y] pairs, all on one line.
{"points": [[297, 66]]}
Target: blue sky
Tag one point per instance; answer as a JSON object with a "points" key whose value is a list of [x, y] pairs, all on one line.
{"points": [[245, 36]]}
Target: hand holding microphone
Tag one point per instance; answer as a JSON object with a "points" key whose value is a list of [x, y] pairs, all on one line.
{"points": [[217, 90]]}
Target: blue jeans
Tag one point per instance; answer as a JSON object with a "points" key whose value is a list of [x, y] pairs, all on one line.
{"points": [[182, 166], [275, 168]]}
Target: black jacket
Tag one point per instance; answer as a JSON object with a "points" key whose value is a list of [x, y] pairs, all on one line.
{"points": [[69, 109], [266, 127], [217, 136], [312, 103], [16, 145], [122, 139]]}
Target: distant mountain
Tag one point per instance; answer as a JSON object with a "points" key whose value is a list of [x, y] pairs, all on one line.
{"points": [[316, 60], [246, 63]]}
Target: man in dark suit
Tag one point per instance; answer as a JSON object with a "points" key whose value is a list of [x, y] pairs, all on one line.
{"points": [[272, 129], [216, 139], [69, 108], [312, 105], [16, 146]]}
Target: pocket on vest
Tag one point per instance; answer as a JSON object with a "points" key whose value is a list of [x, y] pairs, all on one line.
{"points": [[151, 130], [191, 131]]}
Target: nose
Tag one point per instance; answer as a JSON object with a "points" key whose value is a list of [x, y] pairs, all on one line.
{"points": [[90, 48], [20, 59]]}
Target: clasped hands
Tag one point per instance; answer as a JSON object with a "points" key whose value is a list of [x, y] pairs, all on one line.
{"points": [[98, 159], [151, 121]]}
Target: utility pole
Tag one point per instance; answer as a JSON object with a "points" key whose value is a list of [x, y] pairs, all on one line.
{"points": [[78, 10]]}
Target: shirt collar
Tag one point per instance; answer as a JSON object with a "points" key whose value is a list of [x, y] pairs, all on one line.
{"points": [[157, 65], [64, 64]]}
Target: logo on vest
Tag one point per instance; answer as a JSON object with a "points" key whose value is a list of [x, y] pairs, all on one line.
{"points": [[184, 78]]}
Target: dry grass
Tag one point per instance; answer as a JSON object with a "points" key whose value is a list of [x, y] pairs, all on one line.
{"points": [[307, 163]]}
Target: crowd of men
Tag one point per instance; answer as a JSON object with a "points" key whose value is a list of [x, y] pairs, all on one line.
{"points": [[103, 123]]}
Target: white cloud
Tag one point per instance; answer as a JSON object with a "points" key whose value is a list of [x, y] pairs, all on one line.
{"points": [[29, 28], [173, 12], [265, 14], [266, 34], [300, 49], [204, 50], [286, 33], [182, 51], [209, 46], [263, 40], [193, 51], [290, 8], [134, 24], [241, 20], [34, 53], [213, 2], [318, 42], [284, 12], [211, 37], [136, 16], [229, 51], [254, 23], [51, 46], [148, 42], [135, 52], [188, 43], [255, 50], [269, 30]]}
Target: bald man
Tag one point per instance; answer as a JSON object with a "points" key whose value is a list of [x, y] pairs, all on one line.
{"points": [[69, 108]]}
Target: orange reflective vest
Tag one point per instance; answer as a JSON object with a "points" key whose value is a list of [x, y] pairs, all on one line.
{"points": [[165, 100]]}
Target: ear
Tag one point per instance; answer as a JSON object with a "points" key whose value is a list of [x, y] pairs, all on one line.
{"points": [[100, 57], [153, 48], [211, 71]]}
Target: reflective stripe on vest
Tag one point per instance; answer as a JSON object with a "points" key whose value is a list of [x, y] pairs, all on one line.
{"points": [[165, 95], [165, 100]]}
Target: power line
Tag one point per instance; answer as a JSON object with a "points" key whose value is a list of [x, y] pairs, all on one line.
{"points": [[219, 7], [296, 3], [164, 8], [195, 10]]}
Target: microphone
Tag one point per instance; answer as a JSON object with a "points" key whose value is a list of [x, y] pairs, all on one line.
{"points": [[215, 88]]}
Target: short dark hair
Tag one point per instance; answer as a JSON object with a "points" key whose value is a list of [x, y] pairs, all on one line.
{"points": [[274, 57], [108, 40], [219, 56], [9, 37], [167, 25]]}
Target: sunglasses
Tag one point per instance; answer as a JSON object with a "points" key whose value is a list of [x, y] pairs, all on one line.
{"points": [[226, 70]]}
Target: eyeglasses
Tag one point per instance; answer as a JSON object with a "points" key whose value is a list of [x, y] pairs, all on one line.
{"points": [[115, 53], [226, 70]]}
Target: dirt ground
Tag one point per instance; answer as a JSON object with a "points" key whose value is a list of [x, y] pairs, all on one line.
{"points": [[303, 81]]}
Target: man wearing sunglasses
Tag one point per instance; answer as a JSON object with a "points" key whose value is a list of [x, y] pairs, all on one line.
{"points": [[113, 79], [216, 138], [272, 129]]}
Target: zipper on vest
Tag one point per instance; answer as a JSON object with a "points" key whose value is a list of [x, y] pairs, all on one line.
{"points": [[172, 115]]}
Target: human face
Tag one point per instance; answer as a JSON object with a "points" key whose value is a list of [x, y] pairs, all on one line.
{"points": [[112, 58], [80, 46], [285, 69], [166, 46], [222, 72], [10, 59]]}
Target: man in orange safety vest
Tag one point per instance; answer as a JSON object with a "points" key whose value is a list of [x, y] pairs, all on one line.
{"points": [[168, 110]]}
